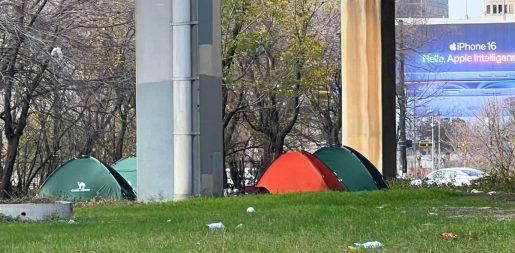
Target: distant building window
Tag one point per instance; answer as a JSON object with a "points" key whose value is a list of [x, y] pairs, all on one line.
{"points": [[500, 8], [488, 9], [494, 11]]}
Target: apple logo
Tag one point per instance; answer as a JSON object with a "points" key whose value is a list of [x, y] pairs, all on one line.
{"points": [[452, 47]]}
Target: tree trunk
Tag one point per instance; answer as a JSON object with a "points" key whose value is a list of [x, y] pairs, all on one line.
{"points": [[335, 140], [271, 151], [118, 154], [12, 150]]}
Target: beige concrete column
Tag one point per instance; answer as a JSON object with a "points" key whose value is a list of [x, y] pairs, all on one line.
{"points": [[366, 84]]}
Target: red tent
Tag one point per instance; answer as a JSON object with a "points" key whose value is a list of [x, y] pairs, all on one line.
{"points": [[298, 171]]}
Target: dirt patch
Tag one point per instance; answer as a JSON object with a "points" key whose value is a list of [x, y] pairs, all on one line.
{"points": [[498, 196], [504, 196], [502, 214]]}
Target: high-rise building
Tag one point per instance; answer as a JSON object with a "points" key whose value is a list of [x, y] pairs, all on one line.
{"points": [[499, 7], [422, 9]]}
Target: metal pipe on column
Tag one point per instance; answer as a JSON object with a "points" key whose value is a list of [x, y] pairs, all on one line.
{"points": [[182, 98]]}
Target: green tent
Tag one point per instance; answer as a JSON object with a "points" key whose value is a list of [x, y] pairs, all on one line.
{"points": [[127, 168], [376, 175], [349, 168], [86, 178]]}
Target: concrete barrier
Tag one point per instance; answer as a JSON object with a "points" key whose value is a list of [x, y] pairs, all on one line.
{"points": [[58, 210]]}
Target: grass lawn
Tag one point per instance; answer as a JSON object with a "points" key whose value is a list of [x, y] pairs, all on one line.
{"points": [[403, 220]]}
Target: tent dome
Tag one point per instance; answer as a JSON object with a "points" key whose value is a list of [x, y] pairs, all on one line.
{"points": [[127, 168], [298, 171], [85, 178], [355, 171]]}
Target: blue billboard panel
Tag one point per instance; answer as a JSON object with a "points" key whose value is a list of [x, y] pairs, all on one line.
{"points": [[459, 98], [463, 66]]}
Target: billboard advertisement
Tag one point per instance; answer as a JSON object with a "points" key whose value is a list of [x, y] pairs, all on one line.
{"points": [[456, 69]]}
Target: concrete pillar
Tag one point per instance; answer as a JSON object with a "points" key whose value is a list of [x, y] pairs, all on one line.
{"points": [[208, 166], [154, 104], [368, 80]]}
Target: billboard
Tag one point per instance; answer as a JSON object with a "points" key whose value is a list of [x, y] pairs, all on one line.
{"points": [[454, 70]]}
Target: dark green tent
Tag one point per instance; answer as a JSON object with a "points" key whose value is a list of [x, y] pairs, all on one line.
{"points": [[86, 178], [353, 171], [376, 175], [127, 168]]}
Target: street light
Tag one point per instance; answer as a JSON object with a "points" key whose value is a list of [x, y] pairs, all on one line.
{"points": [[438, 157]]}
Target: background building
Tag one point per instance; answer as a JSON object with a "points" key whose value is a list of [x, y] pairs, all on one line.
{"points": [[422, 9], [499, 7]]}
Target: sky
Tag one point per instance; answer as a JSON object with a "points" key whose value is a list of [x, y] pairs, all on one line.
{"points": [[474, 8]]}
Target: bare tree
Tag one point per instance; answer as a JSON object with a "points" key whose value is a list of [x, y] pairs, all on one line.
{"points": [[325, 100], [54, 76], [487, 141], [29, 32], [277, 55], [281, 73], [412, 37]]}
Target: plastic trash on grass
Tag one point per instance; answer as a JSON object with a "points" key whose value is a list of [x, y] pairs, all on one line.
{"points": [[369, 245], [250, 210], [216, 225]]}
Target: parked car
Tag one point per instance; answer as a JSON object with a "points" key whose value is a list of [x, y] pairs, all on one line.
{"points": [[458, 176]]}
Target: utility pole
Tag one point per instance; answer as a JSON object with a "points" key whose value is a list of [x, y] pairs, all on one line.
{"points": [[466, 10], [432, 143], [439, 147], [415, 141], [401, 96]]}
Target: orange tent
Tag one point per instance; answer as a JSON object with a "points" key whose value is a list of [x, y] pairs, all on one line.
{"points": [[298, 171]]}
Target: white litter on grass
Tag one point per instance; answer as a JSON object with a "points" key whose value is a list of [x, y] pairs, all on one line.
{"points": [[432, 213], [492, 193], [250, 210], [168, 220], [369, 245], [216, 225], [71, 221], [239, 226], [382, 206], [475, 191]]}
